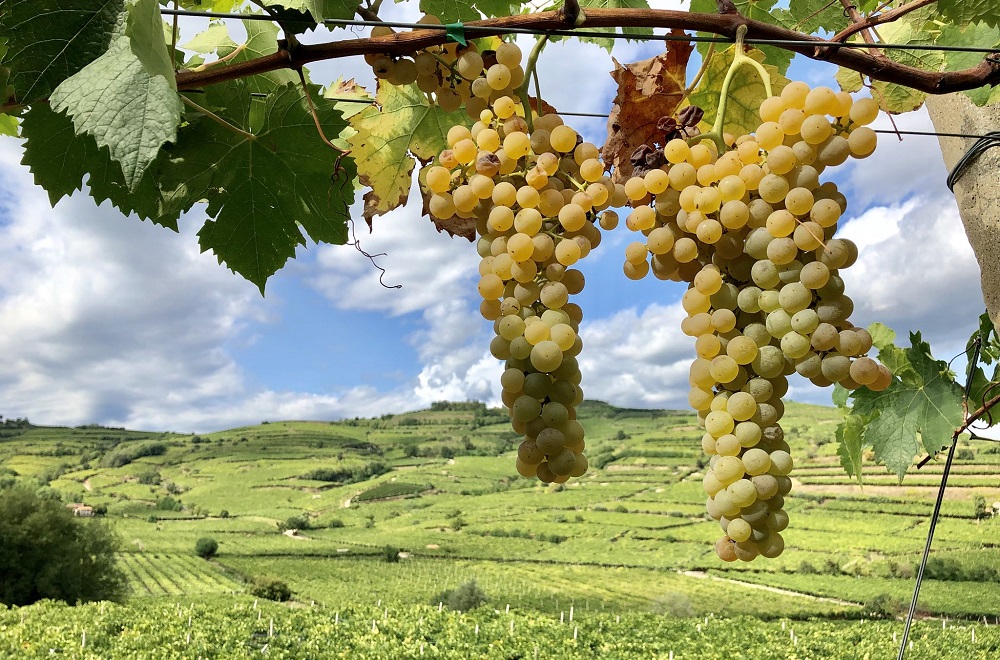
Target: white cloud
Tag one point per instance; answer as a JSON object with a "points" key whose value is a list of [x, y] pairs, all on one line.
{"points": [[916, 271], [637, 359]]}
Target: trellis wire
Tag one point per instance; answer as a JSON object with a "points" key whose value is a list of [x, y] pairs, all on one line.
{"points": [[937, 505], [582, 32], [985, 142]]}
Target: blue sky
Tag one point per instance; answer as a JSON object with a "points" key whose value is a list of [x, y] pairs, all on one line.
{"points": [[104, 319]]}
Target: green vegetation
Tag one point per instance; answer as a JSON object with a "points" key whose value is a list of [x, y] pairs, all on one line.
{"points": [[630, 539], [46, 553], [206, 547], [240, 627]]}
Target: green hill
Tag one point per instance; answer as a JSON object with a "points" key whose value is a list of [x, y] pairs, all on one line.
{"points": [[440, 486]]}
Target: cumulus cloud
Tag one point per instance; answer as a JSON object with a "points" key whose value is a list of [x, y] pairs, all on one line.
{"points": [[637, 358]]}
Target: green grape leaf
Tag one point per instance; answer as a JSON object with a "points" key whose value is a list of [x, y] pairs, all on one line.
{"points": [[977, 34], [59, 159], [849, 80], [961, 12], [989, 353], [212, 40], [450, 11], [745, 95], [211, 5], [760, 10], [918, 28], [262, 39], [127, 98], [850, 445], [263, 188], [387, 142], [882, 335], [921, 408], [50, 40], [811, 16], [320, 9], [8, 125]]}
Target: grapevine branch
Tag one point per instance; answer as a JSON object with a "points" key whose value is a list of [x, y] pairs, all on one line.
{"points": [[985, 73], [851, 11], [879, 19]]}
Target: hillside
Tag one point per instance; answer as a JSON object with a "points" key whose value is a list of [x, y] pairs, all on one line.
{"points": [[630, 535]]}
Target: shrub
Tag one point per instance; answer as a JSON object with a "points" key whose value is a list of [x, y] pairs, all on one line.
{"points": [[462, 598], [336, 523], [206, 547], [883, 606], [269, 587], [295, 522], [224, 513], [391, 554]]}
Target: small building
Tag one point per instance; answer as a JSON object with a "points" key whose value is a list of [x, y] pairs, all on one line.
{"points": [[80, 509]]}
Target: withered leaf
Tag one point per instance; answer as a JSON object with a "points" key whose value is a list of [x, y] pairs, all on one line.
{"points": [[647, 91]]}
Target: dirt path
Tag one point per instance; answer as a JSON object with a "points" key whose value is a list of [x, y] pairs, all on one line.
{"points": [[86, 485], [787, 592]]}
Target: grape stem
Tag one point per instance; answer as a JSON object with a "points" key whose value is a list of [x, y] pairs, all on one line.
{"points": [[739, 59], [529, 71]]}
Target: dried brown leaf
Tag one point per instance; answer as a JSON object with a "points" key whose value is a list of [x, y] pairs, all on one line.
{"points": [[647, 91]]}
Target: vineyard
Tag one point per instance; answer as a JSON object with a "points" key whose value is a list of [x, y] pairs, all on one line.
{"points": [[244, 628], [631, 536]]}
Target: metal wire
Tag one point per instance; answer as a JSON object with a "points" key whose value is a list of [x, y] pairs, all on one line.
{"points": [[586, 32], [600, 115], [985, 142], [937, 508]]}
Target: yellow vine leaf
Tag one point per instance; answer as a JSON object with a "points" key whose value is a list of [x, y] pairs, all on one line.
{"points": [[400, 129], [745, 96]]}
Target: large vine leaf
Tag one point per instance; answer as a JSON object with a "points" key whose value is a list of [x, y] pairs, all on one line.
{"points": [[922, 407], [388, 140], [961, 12], [263, 187], [760, 10], [127, 98], [811, 16], [647, 91], [745, 95], [983, 385], [50, 40], [59, 159], [320, 9], [851, 444], [451, 11]]}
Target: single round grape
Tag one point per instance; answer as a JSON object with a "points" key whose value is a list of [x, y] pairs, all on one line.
{"points": [[727, 445], [781, 159], [741, 406], [770, 362], [836, 367], [748, 433], [862, 142], [563, 138], [728, 470], [864, 111], [738, 530], [725, 548], [766, 485], [719, 423], [782, 251], [756, 461], [773, 188], [769, 135], [864, 371], [799, 201], [742, 492], [546, 356], [815, 129], [742, 349], [724, 369], [772, 546]]}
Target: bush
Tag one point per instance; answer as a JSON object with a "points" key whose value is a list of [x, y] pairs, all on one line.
{"points": [[224, 513], [336, 523], [206, 547], [269, 587], [295, 522], [883, 606], [462, 598], [391, 554], [47, 553]]}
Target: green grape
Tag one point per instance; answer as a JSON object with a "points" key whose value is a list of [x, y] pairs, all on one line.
{"points": [[728, 470], [719, 423], [742, 492], [756, 462], [741, 407]]}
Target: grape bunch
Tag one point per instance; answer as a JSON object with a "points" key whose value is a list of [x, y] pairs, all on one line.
{"points": [[453, 75], [752, 231], [535, 195]]}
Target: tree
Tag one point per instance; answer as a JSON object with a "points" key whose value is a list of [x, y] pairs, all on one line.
{"points": [[206, 547], [50, 554]]}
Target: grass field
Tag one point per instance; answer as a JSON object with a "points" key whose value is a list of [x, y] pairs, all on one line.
{"points": [[438, 486]]}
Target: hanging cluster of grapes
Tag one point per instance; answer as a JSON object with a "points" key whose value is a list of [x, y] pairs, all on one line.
{"points": [[535, 194], [453, 75], [752, 232]]}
